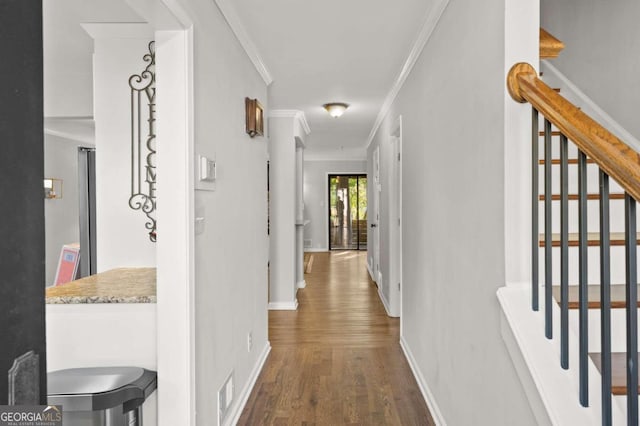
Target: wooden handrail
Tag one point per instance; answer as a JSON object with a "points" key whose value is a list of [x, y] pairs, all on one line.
{"points": [[615, 158], [550, 47]]}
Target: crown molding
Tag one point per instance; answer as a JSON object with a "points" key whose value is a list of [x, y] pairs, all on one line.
{"points": [[233, 20], [430, 23], [291, 113]]}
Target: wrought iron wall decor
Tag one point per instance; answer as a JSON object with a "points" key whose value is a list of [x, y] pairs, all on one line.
{"points": [[143, 141]]}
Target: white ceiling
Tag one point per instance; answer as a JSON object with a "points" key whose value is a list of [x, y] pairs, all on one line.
{"points": [[332, 50], [68, 50], [315, 51]]}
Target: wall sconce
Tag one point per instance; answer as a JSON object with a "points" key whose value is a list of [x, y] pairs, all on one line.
{"points": [[254, 115], [336, 109], [52, 188]]}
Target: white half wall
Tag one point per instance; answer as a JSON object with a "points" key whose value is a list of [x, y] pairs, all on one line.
{"points": [[316, 208]]}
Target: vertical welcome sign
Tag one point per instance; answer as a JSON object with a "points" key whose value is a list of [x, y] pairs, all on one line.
{"points": [[143, 141]]}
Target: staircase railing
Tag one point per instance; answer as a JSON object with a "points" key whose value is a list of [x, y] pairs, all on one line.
{"points": [[615, 160]]}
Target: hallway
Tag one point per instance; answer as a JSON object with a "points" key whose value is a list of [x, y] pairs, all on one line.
{"points": [[336, 360]]}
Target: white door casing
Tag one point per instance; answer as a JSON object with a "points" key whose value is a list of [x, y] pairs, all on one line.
{"points": [[374, 220], [395, 221]]}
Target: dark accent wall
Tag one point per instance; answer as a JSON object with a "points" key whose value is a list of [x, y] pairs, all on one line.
{"points": [[22, 273]]}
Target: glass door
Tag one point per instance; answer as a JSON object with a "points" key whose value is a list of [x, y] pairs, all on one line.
{"points": [[347, 212]]}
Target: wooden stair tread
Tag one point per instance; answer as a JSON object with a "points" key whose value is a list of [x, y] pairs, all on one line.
{"points": [[618, 297], [618, 371], [553, 133], [574, 197], [550, 47], [556, 161], [593, 239]]}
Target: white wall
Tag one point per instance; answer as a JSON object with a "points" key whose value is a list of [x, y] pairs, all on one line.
{"points": [[452, 108], [122, 239], [61, 215], [231, 254], [315, 197], [602, 40]]}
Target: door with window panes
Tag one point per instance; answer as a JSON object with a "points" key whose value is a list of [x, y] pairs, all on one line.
{"points": [[347, 212]]}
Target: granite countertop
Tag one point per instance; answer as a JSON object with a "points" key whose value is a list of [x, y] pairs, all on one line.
{"points": [[122, 285]]}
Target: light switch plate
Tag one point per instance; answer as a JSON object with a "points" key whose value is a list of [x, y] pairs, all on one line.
{"points": [[207, 169], [205, 173]]}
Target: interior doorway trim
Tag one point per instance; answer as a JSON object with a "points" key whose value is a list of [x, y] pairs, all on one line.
{"points": [[395, 220], [175, 252]]}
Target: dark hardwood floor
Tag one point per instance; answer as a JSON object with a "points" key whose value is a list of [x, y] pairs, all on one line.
{"points": [[336, 360]]}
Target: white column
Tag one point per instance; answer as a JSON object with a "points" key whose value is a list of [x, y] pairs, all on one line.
{"points": [[122, 239], [287, 132], [300, 283]]}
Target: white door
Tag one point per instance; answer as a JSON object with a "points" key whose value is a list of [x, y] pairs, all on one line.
{"points": [[374, 219]]}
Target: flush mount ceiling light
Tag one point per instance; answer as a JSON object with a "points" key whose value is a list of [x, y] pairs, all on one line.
{"points": [[336, 109]]}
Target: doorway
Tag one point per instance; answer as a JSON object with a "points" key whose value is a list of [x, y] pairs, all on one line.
{"points": [[347, 212], [87, 208]]}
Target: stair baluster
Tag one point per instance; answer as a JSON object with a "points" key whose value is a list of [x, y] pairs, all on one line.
{"points": [[535, 232], [564, 253], [548, 267], [583, 304], [605, 298], [631, 275]]}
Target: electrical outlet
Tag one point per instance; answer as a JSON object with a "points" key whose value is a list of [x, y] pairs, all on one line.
{"points": [[249, 341]]}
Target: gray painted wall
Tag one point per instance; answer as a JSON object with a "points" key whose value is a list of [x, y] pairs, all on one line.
{"points": [[231, 255], [602, 40], [452, 107], [61, 215], [315, 197]]}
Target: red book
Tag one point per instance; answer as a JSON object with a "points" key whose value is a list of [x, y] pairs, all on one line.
{"points": [[68, 264]]}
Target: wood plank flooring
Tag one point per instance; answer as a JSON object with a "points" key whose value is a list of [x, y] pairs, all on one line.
{"points": [[336, 360]]}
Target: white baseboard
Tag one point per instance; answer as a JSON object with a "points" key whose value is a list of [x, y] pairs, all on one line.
{"points": [[243, 397], [422, 384], [315, 250], [283, 306], [385, 303], [371, 275], [302, 284]]}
